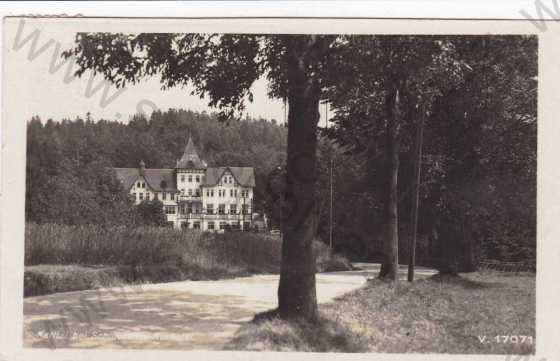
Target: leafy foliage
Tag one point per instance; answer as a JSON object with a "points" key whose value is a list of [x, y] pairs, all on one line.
{"points": [[150, 213], [479, 97]]}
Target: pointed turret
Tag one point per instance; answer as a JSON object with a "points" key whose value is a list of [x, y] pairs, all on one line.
{"points": [[142, 168], [190, 158]]}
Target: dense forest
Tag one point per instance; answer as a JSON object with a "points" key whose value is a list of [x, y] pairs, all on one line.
{"points": [[68, 163]]}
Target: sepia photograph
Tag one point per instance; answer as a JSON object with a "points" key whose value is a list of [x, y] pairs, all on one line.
{"points": [[288, 192]]}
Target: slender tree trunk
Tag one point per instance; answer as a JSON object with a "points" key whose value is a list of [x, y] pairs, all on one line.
{"points": [[390, 267], [415, 197], [296, 291]]}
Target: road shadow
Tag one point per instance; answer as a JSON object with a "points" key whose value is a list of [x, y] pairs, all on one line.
{"points": [[162, 319], [458, 280]]}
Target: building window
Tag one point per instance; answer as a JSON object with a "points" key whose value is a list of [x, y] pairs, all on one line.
{"points": [[135, 196], [207, 193], [197, 192], [212, 193], [169, 209], [211, 226], [182, 178], [245, 209], [156, 196], [163, 196], [223, 225], [190, 179], [190, 192], [210, 208], [222, 209], [172, 196], [235, 192], [196, 225], [231, 192], [138, 185], [233, 209], [197, 178], [141, 196]]}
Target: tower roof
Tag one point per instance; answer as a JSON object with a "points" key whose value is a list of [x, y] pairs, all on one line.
{"points": [[190, 158]]}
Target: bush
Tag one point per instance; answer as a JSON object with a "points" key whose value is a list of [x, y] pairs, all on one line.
{"points": [[329, 262]]}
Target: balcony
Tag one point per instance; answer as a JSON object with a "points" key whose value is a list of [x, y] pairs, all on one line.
{"points": [[216, 216], [186, 198]]}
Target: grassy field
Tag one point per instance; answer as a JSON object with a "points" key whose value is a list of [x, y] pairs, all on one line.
{"points": [[436, 315], [69, 258]]}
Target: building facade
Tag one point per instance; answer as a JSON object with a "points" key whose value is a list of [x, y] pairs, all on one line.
{"points": [[193, 195]]}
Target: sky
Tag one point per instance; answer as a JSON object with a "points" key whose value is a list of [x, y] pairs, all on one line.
{"points": [[51, 91]]}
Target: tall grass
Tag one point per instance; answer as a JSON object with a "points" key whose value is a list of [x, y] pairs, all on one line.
{"points": [[144, 246], [66, 258], [147, 246]]}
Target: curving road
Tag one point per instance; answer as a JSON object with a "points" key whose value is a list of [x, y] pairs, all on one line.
{"points": [[176, 315]]}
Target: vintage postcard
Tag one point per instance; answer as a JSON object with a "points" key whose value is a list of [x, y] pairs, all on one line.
{"points": [[310, 188]]}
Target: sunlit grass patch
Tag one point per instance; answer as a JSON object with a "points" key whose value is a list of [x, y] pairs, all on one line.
{"points": [[274, 334]]}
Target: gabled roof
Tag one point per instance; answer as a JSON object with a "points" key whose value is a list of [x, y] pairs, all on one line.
{"points": [[245, 176], [190, 158], [153, 177]]}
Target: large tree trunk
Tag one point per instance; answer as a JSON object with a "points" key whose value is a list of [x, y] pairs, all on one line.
{"points": [[296, 292], [390, 266]]}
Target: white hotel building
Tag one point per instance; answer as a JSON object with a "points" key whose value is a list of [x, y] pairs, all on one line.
{"points": [[194, 195]]}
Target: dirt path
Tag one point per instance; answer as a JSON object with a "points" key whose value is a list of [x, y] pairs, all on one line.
{"points": [[177, 315]]}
